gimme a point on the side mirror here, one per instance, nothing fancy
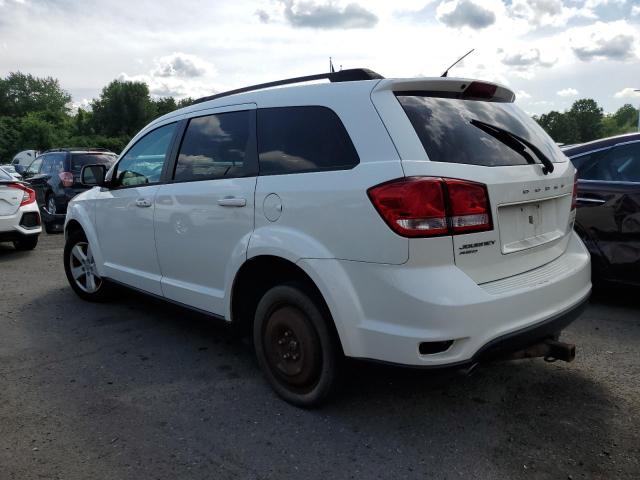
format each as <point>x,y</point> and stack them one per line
<point>93,175</point>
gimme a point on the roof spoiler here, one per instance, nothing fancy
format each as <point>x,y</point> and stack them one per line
<point>460,88</point>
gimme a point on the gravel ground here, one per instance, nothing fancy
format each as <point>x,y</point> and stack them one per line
<point>139,389</point>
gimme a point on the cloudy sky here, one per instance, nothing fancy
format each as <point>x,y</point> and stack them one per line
<point>550,52</point>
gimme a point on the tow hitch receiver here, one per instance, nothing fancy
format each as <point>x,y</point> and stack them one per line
<point>551,350</point>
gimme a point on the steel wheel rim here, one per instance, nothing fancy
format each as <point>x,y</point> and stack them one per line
<point>292,348</point>
<point>51,206</point>
<point>83,268</point>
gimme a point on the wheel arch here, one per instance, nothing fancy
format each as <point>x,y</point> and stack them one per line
<point>257,275</point>
<point>79,219</point>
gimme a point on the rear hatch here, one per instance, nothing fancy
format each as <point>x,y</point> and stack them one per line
<point>10,197</point>
<point>472,131</point>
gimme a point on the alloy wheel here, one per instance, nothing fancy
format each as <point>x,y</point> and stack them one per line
<point>83,268</point>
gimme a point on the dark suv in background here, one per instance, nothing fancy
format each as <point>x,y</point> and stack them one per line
<point>55,176</point>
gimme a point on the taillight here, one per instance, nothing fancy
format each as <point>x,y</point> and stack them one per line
<point>574,196</point>
<point>67,178</point>
<point>28,194</point>
<point>469,206</point>
<point>428,206</point>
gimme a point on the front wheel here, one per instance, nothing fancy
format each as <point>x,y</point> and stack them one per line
<point>296,349</point>
<point>80,267</point>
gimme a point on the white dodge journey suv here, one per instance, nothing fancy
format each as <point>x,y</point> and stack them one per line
<point>424,222</point>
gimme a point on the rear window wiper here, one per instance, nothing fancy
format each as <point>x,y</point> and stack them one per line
<point>516,143</point>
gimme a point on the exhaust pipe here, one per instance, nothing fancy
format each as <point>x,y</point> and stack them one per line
<point>551,350</point>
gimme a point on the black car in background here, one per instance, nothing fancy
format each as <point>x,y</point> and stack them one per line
<point>55,176</point>
<point>608,216</point>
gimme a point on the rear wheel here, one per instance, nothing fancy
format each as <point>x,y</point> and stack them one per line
<point>80,267</point>
<point>26,243</point>
<point>296,349</point>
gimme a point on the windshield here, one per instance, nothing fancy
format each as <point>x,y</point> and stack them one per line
<point>79,160</point>
<point>447,134</point>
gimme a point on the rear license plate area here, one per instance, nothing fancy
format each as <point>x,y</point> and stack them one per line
<point>528,225</point>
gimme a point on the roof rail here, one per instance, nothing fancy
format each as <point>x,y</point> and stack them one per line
<point>81,149</point>
<point>350,75</point>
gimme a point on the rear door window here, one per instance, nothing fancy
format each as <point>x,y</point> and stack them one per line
<point>79,160</point>
<point>218,146</point>
<point>444,128</point>
<point>303,139</point>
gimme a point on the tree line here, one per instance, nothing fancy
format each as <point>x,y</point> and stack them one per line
<point>585,121</point>
<point>35,113</point>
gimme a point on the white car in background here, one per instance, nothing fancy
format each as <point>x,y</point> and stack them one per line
<point>23,159</point>
<point>19,213</point>
<point>425,222</point>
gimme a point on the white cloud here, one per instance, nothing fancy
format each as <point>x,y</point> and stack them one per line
<point>522,95</point>
<point>604,41</point>
<point>627,93</point>
<point>327,15</point>
<point>465,13</point>
<point>635,10</point>
<point>177,75</point>
<point>547,12</point>
<point>567,92</point>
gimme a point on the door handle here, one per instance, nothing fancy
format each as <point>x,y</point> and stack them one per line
<point>232,202</point>
<point>597,201</point>
<point>143,203</point>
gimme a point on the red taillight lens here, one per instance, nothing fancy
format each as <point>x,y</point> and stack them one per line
<point>28,194</point>
<point>469,206</point>
<point>412,207</point>
<point>574,196</point>
<point>427,206</point>
<point>67,178</point>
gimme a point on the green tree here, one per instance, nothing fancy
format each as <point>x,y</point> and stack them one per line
<point>165,105</point>
<point>626,118</point>
<point>9,138</point>
<point>123,108</point>
<point>38,133</point>
<point>560,126</point>
<point>587,115</point>
<point>21,94</point>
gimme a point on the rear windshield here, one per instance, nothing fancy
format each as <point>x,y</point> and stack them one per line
<point>447,135</point>
<point>79,160</point>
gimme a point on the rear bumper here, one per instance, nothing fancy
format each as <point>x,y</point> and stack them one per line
<point>384,312</point>
<point>14,227</point>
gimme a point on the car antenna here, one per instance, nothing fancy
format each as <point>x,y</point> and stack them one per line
<point>446,72</point>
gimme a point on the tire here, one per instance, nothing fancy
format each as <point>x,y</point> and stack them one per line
<point>295,346</point>
<point>26,243</point>
<point>79,270</point>
<point>48,227</point>
<point>50,204</point>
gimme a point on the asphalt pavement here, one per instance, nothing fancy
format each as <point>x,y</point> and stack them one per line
<point>140,389</point>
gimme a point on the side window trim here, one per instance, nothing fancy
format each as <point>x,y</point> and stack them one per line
<point>175,152</point>
<point>114,169</point>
